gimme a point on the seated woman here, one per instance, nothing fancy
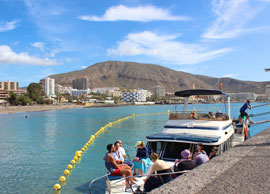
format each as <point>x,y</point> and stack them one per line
<point>117,169</point>
<point>185,163</point>
<point>159,166</point>
<point>141,161</point>
<point>119,158</point>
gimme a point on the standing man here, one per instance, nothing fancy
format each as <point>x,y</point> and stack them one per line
<point>243,111</point>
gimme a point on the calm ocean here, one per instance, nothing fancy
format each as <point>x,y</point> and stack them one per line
<point>34,152</point>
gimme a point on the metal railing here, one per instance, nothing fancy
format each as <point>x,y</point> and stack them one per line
<point>121,179</point>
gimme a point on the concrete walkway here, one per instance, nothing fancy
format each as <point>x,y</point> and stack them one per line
<point>243,169</point>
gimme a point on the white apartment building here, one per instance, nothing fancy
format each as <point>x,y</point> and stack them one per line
<point>49,86</point>
<point>104,90</point>
<point>76,92</point>
<point>136,96</point>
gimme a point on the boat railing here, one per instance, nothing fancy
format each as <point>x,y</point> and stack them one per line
<point>96,179</point>
<point>138,176</point>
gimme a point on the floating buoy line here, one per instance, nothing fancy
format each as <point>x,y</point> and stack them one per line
<point>78,154</point>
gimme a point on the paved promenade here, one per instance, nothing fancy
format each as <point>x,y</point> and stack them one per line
<point>243,169</point>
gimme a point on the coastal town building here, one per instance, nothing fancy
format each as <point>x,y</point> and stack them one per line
<point>267,91</point>
<point>7,87</point>
<point>104,90</point>
<point>159,91</point>
<point>134,96</point>
<point>242,96</point>
<point>49,86</point>
<point>80,83</point>
<point>78,93</point>
<point>114,93</point>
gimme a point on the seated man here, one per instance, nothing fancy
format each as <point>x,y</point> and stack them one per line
<point>200,156</point>
<point>117,169</point>
<point>214,152</point>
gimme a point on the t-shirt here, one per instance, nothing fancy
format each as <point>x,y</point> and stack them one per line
<point>244,107</point>
<point>122,150</point>
<point>142,153</point>
<point>201,158</point>
<point>118,155</point>
<point>160,165</point>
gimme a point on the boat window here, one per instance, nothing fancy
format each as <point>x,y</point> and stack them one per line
<point>173,150</point>
<point>155,147</point>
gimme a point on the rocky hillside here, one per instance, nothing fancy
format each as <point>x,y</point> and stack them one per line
<point>137,75</point>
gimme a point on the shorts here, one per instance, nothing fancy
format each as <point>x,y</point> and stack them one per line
<point>116,172</point>
<point>243,114</point>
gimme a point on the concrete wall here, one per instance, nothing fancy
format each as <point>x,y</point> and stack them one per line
<point>243,169</point>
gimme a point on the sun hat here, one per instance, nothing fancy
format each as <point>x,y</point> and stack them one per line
<point>138,143</point>
<point>185,154</point>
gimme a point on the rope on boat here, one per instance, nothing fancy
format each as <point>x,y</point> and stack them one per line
<point>78,154</point>
<point>259,114</point>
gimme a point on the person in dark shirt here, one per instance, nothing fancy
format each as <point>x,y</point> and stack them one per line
<point>185,163</point>
<point>141,161</point>
<point>243,112</point>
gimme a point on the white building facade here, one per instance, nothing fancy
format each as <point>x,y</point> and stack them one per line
<point>136,96</point>
<point>49,87</point>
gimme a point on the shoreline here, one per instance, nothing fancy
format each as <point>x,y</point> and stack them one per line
<point>35,108</point>
<point>39,108</point>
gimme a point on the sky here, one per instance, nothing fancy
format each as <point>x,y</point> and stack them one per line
<point>217,38</point>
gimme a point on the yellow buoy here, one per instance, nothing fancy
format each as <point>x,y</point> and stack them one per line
<point>75,158</point>
<point>57,187</point>
<point>72,162</point>
<point>78,153</point>
<point>69,166</point>
<point>62,179</point>
<point>92,136</point>
<point>87,144</point>
<point>169,111</point>
<point>214,108</point>
<point>133,115</point>
<point>83,149</point>
<point>66,172</point>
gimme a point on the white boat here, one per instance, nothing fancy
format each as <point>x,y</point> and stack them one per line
<point>185,129</point>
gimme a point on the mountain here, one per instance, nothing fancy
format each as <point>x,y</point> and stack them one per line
<point>132,75</point>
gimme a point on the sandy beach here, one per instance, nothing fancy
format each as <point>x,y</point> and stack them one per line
<point>16,109</point>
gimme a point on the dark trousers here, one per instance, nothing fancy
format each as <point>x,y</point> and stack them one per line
<point>154,182</point>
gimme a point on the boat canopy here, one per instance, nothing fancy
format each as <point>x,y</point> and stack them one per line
<point>188,93</point>
<point>183,137</point>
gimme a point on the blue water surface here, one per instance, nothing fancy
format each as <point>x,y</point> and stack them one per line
<point>34,152</point>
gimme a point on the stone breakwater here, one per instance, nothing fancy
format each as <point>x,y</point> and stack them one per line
<point>243,169</point>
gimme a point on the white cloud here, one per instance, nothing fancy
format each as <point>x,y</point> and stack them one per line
<point>7,56</point>
<point>140,13</point>
<point>232,18</point>
<point>231,75</point>
<point>8,26</point>
<point>83,66</point>
<point>39,45</point>
<point>165,48</point>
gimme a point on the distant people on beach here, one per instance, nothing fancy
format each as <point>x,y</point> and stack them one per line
<point>243,112</point>
<point>200,156</point>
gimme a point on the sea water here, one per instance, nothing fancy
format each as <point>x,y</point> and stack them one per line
<point>35,151</point>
